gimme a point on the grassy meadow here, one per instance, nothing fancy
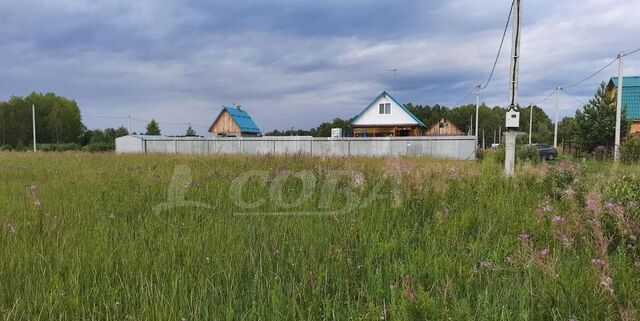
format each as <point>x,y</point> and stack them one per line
<point>162,237</point>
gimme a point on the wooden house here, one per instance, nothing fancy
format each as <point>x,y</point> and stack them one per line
<point>385,117</point>
<point>234,122</point>
<point>630,99</point>
<point>444,127</point>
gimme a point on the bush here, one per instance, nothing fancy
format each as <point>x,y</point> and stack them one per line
<point>630,150</point>
<point>58,147</point>
<point>100,147</point>
<point>558,180</point>
<point>5,148</point>
<point>528,153</point>
<point>601,153</point>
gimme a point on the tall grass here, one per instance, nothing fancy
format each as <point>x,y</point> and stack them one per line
<point>428,240</point>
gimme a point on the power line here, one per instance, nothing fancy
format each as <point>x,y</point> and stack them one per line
<point>504,33</point>
<point>543,100</point>
<point>631,53</point>
<point>574,97</point>
<point>463,98</point>
<point>591,76</point>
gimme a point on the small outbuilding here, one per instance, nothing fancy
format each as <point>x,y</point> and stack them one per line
<point>444,127</point>
<point>385,116</point>
<point>234,122</point>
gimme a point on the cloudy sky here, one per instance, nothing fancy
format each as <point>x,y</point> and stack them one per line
<point>294,63</point>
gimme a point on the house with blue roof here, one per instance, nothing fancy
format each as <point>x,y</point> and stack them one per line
<point>234,122</point>
<point>385,116</point>
<point>630,99</point>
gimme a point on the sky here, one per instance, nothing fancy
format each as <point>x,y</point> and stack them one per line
<point>293,63</point>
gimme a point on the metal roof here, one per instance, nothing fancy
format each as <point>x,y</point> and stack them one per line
<point>242,119</point>
<point>630,95</point>
<point>385,94</point>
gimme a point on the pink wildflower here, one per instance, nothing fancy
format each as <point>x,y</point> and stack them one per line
<point>524,237</point>
<point>544,252</point>
<point>598,262</point>
<point>557,219</point>
<point>592,204</point>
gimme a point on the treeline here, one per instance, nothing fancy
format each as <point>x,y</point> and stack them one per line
<point>58,125</point>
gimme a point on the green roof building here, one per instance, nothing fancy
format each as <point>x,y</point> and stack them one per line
<point>630,99</point>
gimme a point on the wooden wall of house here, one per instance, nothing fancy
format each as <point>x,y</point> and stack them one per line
<point>444,128</point>
<point>225,124</point>
<point>387,131</point>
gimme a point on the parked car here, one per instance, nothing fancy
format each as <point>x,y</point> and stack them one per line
<point>546,152</point>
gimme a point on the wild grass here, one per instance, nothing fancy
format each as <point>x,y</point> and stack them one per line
<point>399,239</point>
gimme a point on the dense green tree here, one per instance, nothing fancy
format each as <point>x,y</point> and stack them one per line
<point>595,123</point>
<point>153,128</point>
<point>190,132</point>
<point>57,120</point>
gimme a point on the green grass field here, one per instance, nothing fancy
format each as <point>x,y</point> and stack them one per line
<point>161,237</point>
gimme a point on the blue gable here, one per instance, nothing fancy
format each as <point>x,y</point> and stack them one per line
<point>241,118</point>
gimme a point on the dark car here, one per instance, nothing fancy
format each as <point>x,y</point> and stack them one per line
<point>546,152</point>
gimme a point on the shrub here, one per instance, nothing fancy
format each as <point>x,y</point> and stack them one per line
<point>58,147</point>
<point>630,150</point>
<point>601,153</point>
<point>100,147</point>
<point>558,180</point>
<point>528,153</point>
<point>624,190</point>
<point>5,148</point>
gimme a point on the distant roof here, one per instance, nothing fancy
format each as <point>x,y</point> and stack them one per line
<point>383,94</point>
<point>630,95</point>
<point>242,119</point>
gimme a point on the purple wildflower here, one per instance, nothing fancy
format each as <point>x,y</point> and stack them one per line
<point>598,262</point>
<point>609,205</point>
<point>544,252</point>
<point>557,219</point>
<point>524,237</point>
<point>592,204</point>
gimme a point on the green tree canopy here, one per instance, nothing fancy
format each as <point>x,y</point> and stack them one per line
<point>57,120</point>
<point>595,123</point>
<point>153,128</point>
<point>191,132</point>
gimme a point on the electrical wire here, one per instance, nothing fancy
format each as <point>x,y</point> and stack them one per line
<point>631,53</point>
<point>574,97</point>
<point>543,100</point>
<point>504,33</point>
<point>462,99</point>
<point>590,76</point>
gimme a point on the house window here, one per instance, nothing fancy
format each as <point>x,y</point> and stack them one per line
<point>384,108</point>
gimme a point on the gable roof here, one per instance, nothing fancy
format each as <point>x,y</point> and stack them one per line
<point>385,94</point>
<point>630,95</point>
<point>241,118</point>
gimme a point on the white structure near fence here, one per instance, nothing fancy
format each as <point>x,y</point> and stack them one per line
<point>449,147</point>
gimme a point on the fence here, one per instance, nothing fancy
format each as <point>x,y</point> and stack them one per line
<point>450,147</point>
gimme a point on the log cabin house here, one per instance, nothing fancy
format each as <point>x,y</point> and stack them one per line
<point>234,122</point>
<point>385,117</point>
<point>444,127</point>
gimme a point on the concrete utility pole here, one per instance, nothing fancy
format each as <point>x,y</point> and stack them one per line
<point>530,123</point>
<point>512,118</point>
<point>477,110</point>
<point>555,129</point>
<point>616,152</point>
<point>129,125</point>
<point>33,122</point>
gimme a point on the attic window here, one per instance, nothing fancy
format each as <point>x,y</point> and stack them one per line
<point>384,108</point>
